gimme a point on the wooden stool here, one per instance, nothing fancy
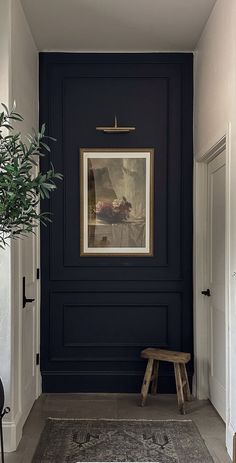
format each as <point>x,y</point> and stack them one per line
<point>179,359</point>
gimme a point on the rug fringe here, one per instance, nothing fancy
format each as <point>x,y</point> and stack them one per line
<point>116,419</point>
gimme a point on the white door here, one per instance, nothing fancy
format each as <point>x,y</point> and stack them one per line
<point>216,274</point>
<point>29,322</point>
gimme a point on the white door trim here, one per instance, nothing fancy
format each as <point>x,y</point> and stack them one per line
<point>38,306</point>
<point>201,388</point>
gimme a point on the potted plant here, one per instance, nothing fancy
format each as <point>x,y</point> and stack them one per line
<point>20,188</point>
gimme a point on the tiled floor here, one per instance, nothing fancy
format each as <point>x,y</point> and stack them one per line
<point>120,406</point>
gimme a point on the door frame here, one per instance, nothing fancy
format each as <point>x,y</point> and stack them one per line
<point>200,303</point>
<point>38,312</point>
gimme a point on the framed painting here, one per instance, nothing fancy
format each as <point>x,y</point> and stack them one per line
<point>116,202</point>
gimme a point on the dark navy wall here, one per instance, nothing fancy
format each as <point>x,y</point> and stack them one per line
<point>98,313</point>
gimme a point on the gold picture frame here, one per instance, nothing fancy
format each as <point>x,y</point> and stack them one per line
<point>116,201</point>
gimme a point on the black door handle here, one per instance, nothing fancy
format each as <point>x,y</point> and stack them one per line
<point>206,292</point>
<point>25,299</point>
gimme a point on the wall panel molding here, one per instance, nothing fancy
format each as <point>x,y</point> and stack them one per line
<point>98,313</point>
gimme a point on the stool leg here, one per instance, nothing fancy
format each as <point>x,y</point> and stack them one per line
<point>179,388</point>
<point>155,377</point>
<point>146,381</point>
<point>186,388</point>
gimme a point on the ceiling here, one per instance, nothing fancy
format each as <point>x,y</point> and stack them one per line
<point>117,25</point>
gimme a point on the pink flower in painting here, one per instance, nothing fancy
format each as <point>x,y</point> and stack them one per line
<point>115,211</point>
<point>122,207</point>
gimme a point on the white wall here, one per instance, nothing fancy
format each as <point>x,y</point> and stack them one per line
<point>215,111</point>
<point>5,256</point>
<point>24,69</point>
<point>215,69</point>
<point>19,82</point>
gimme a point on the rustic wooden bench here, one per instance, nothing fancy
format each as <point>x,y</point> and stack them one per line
<point>179,359</point>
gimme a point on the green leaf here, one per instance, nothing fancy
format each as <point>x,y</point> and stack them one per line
<point>5,108</point>
<point>20,191</point>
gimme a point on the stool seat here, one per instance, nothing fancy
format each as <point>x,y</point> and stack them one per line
<point>166,355</point>
<point>179,360</point>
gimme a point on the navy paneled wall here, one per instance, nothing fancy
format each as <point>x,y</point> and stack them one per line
<point>99,312</point>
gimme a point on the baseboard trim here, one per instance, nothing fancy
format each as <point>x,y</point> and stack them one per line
<point>12,432</point>
<point>231,441</point>
<point>101,382</point>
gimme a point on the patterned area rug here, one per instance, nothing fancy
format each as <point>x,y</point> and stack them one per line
<point>72,441</point>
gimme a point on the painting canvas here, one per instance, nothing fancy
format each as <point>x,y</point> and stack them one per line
<point>116,201</point>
